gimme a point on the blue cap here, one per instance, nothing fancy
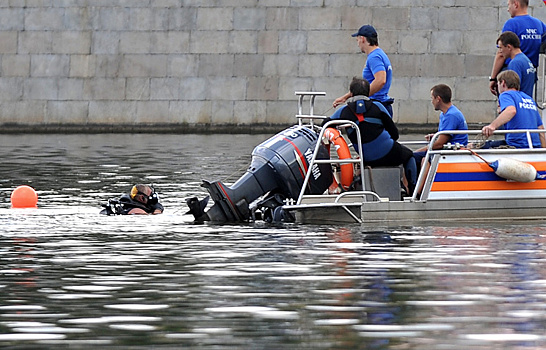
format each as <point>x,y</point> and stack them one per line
<point>367,31</point>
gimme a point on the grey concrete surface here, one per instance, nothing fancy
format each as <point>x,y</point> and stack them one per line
<point>212,65</point>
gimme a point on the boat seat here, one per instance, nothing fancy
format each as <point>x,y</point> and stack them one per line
<point>385,181</point>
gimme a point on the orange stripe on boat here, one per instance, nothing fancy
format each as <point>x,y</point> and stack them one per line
<point>463,168</point>
<point>539,166</point>
<point>487,185</point>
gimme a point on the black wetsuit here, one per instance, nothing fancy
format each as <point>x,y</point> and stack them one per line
<point>125,204</point>
<point>379,135</point>
<point>374,124</point>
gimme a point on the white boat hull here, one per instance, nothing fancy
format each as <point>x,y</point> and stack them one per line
<point>423,213</point>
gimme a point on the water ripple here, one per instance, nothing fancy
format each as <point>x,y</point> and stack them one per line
<point>71,278</point>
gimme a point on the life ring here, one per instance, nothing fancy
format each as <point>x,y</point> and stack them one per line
<point>343,152</point>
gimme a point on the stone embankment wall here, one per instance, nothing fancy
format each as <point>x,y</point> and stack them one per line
<point>182,64</point>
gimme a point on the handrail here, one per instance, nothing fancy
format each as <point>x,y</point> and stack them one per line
<point>314,159</point>
<point>431,151</point>
<point>479,132</point>
<point>356,193</point>
<point>310,116</point>
<point>337,161</point>
<point>313,94</point>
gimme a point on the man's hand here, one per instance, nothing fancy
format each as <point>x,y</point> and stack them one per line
<point>488,130</point>
<point>341,100</point>
<point>493,88</point>
<point>338,101</point>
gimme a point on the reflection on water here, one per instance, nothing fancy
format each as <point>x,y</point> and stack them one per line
<point>73,278</point>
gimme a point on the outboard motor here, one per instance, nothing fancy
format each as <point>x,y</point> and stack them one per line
<point>278,167</point>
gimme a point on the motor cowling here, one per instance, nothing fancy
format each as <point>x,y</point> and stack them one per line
<point>279,165</point>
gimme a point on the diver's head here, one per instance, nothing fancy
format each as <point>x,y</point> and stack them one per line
<point>144,194</point>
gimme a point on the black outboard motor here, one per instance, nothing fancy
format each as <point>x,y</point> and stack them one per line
<point>278,166</point>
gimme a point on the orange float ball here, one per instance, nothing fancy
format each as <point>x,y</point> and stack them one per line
<point>24,197</point>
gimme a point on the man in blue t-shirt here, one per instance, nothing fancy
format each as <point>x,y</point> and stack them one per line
<point>518,111</point>
<point>509,47</point>
<point>530,31</point>
<point>451,118</point>
<point>377,71</point>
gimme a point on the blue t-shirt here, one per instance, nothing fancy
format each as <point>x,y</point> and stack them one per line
<point>530,32</point>
<point>378,61</point>
<point>526,71</point>
<point>527,117</point>
<point>453,119</point>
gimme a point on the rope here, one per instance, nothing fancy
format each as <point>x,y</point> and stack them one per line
<point>238,171</point>
<point>332,133</point>
<point>326,111</point>
<point>477,155</point>
<point>505,147</point>
<point>479,141</point>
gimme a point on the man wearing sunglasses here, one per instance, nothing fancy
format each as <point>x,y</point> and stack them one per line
<point>145,200</point>
<point>142,200</point>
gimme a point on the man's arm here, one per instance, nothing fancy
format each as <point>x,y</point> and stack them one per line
<point>388,124</point>
<point>441,141</point>
<point>379,80</point>
<point>157,209</point>
<point>137,211</point>
<point>498,62</point>
<point>341,99</point>
<point>506,115</point>
<point>438,144</point>
<point>542,137</point>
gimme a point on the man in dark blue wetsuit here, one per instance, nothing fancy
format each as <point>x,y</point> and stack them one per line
<point>142,200</point>
<point>378,131</point>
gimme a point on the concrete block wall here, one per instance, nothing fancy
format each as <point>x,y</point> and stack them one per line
<point>234,62</point>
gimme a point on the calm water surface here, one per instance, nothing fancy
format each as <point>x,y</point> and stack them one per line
<point>71,278</point>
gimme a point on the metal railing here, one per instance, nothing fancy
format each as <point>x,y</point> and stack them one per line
<point>314,161</point>
<point>312,94</point>
<point>431,152</point>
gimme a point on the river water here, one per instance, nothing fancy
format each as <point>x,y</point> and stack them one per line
<point>71,278</point>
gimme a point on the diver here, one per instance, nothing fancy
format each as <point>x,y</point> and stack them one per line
<point>142,200</point>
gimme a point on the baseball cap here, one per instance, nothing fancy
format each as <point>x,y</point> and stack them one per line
<point>367,31</point>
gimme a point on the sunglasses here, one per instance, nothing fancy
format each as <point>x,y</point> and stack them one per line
<point>152,198</point>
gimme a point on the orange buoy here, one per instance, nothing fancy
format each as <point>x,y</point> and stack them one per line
<point>24,197</point>
<point>343,152</point>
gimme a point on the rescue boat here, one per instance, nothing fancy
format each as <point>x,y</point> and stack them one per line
<point>297,176</point>
<point>462,185</point>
